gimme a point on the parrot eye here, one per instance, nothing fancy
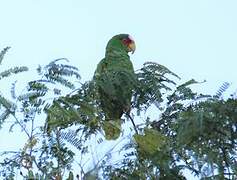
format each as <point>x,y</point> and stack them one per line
<point>127,41</point>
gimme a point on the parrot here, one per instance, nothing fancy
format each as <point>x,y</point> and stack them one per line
<point>114,77</point>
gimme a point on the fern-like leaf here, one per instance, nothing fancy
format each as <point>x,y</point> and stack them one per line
<point>3,52</point>
<point>7,104</point>
<point>13,90</point>
<point>159,68</point>
<point>3,116</point>
<point>59,73</point>
<point>71,137</point>
<point>11,71</point>
<point>8,108</point>
<point>222,89</point>
<point>61,80</point>
<point>153,80</point>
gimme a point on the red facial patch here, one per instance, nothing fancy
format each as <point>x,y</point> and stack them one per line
<point>127,41</point>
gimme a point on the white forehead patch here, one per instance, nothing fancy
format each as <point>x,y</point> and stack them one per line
<point>130,37</point>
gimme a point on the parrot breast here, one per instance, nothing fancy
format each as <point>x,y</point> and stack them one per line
<point>115,78</point>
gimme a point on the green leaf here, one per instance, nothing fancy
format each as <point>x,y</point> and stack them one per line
<point>11,71</point>
<point>2,53</point>
<point>151,142</point>
<point>112,129</point>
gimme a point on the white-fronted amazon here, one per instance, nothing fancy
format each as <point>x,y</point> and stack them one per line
<point>115,77</point>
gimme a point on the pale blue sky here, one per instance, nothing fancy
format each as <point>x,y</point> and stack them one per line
<point>194,38</point>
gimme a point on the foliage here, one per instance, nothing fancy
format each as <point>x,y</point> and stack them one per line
<point>191,131</point>
<point>43,156</point>
<point>2,53</point>
<point>152,84</point>
<point>84,107</point>
<point>6,106</point>
<point>210,137</point>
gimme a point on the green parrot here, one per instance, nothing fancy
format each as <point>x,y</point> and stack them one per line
<point>115,77</point>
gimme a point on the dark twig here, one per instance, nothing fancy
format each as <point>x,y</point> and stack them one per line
<point>132,122</point>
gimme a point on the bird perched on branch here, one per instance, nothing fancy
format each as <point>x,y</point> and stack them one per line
<point>115,77</point>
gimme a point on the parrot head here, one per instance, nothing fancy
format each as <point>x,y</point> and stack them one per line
<point>122,41</point>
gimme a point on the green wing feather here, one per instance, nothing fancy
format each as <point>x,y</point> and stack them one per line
<point>115,78</point>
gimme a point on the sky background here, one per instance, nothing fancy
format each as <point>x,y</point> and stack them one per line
<point>194,39</point>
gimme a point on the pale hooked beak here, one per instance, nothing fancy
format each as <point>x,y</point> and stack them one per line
<point>132,47</point>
